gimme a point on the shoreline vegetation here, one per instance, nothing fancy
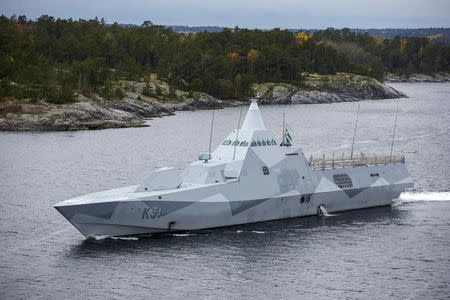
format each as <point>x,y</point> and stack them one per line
<point>64,74</point>
<point>139,101</point>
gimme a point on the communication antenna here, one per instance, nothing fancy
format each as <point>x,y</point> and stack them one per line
<point>211,132</point>
<point>393,134</point>
<point>237,133</point>
<point>354,133</point>
<point>282,132</point>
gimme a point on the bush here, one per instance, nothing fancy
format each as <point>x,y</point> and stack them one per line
<point>119,93</point>
<point>61,95</point>
<point>148,91</point>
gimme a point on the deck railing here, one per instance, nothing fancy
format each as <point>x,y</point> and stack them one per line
<point>332,161</point>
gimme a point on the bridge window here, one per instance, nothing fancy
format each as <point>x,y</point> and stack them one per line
<point>244,144</point>
<point>253,144</point>
<point>273,142</point>
<point>259,143</point>
<point>265,170</point>
<point>343,181</point>
<point>263,142</point>
<point>226,142</point>
<point>268,143</point>
<point>235,143</point>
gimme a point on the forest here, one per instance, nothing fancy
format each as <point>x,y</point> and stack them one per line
<point>51,58</point>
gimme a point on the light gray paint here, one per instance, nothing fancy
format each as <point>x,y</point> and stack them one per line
<point>207,199</point>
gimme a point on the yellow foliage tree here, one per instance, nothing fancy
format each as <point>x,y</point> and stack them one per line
<point>181,38</point>
<point>435,36</point>
<point>379,39</point>
<point>252,56</point>
<point>301,37</point>
<point>234,57</point>
<point>403,43</point>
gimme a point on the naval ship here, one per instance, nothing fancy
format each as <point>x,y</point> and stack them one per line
<point>249,177</point>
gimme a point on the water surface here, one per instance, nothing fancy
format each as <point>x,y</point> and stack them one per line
<point>403,251</point>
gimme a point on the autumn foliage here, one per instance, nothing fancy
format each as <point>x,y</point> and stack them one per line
<point>52,58</point>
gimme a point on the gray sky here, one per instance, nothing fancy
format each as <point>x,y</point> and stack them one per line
<point>246,13</point>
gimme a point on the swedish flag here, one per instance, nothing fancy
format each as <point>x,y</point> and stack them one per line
<point>287,137</point>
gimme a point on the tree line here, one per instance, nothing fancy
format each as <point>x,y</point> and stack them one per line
<point>50,58</point>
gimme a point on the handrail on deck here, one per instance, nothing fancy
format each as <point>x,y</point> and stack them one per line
<point>346,161</point>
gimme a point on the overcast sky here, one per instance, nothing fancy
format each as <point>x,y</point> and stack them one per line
<point>246,13</point>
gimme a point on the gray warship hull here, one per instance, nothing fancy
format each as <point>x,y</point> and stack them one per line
<point>243,182</point>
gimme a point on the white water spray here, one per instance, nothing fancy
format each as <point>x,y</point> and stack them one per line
<point>424,196</point>
<point>322,212</point>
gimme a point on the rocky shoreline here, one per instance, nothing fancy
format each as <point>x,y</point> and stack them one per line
<point>141,101</point>
<point>87,115</point>
<point>341,87</point>
<point>438,77</point>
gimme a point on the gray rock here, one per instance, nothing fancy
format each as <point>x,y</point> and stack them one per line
<point>96,113</point>
<point>438,77</point>
<point>311,97</point>
<point>325,89</point>
<point>76,116</point>
<point>140,109</point>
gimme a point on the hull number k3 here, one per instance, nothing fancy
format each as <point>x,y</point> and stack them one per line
<point>151,213</point>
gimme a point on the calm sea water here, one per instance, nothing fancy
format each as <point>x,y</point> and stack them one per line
<point>395,252</point>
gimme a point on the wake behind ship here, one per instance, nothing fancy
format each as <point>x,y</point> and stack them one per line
<point>250,177</point>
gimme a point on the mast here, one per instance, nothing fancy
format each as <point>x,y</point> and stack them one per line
<point>282,133</point>
<point>354,133</point>
<point>211,132</point>
<point>237,133</point>
<point>393,134</point>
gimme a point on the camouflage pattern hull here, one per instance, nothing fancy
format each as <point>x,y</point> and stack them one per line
<point>219,205</point>
<point>253,181</point>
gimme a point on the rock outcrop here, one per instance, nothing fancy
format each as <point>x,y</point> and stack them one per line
<point>314,88</point>
<point>76,116</point>
<point>438,77</point>
<point>97,113</point>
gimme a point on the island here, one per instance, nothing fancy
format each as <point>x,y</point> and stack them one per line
<point>65,74</point>
<point>135,102</point>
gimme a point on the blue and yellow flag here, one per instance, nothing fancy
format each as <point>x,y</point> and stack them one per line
<point>287,138</point>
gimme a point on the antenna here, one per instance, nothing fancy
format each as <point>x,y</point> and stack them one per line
<point>211,132</point>
<point>393,134</point>
<point>354,133</point>
<point>282,133</point>
<point>237,133</point>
